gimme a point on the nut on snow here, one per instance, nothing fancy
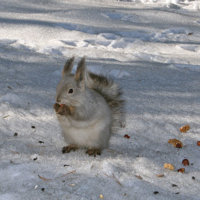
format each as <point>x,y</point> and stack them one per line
<point>185,128</point>
<point>127,136</point>
<point>179,145</point>
<point>182,170</point>
<point>198,143</point>
<point>185,162</point>
<point>168,166</point>
<point>176,143</point>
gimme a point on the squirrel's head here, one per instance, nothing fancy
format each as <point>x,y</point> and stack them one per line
<point>71,87</point>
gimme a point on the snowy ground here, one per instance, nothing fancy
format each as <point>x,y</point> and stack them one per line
<point>151,48</point>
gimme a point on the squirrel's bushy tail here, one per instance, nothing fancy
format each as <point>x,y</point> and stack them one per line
<point>112,93</point>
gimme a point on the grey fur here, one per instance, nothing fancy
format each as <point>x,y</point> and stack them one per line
<point>112,93</point>
<point>95,107</point>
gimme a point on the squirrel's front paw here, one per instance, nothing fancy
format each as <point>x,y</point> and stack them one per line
<point>56,106</point>
<point>63,110</point>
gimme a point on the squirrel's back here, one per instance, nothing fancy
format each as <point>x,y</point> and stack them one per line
<point>112,93</point>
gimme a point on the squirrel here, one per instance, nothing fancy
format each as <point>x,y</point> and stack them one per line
<point>89,108</point>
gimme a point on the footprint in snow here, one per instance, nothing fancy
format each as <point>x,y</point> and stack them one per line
<point>76,27</point>
<point>125,17</point>
<point>193,48</point>
<point>12,99</point>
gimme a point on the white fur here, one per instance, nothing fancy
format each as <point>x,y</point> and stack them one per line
<point>92,133</point>
<point>90,122</point>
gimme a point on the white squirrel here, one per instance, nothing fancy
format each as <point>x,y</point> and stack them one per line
<point>89,108</point>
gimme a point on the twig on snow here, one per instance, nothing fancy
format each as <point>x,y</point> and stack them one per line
<point>45,179</point>
<point>67,174</point>
<point>48,180</point>
<point>114,179</point>
<point>6,116</point>
<point>14,152</point>
<point>112,151</point>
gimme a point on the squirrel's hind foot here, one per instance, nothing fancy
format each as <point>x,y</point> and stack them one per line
<point>93,152</point>
<point>68,149</point>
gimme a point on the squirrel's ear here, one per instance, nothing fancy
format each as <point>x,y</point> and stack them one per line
<point>80,72</point>
<point>68,66</point>
<point>81,85</point>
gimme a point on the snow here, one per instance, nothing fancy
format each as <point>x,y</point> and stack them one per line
<point>150,47</point>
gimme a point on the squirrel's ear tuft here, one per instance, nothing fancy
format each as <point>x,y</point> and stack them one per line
<point>68,66</point>
<point>80,72</point>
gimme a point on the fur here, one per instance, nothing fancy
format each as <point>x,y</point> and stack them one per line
<point>89,107</point>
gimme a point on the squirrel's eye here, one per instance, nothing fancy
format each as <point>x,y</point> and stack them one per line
<point>70,91</point>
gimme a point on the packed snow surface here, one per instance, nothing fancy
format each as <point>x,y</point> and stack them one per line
<point>151,48</point>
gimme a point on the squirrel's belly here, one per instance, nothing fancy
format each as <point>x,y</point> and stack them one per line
<point>86,137</point>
